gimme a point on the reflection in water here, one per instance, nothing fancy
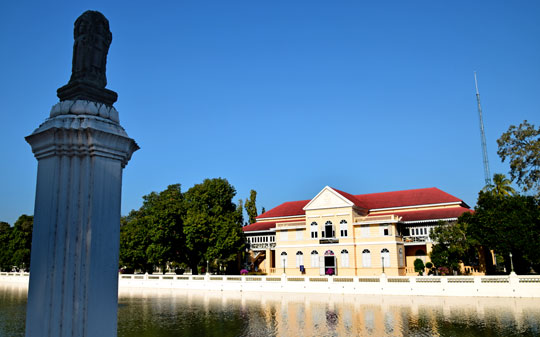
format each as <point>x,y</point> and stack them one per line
<point>197,313</point>
<point>12,310</point>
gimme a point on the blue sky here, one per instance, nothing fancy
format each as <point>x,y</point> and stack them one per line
<point>284,97</point>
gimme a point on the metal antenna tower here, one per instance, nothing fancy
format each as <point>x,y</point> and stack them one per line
<point>487,174</point>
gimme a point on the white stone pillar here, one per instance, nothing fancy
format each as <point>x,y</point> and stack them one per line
<point>81,151</point>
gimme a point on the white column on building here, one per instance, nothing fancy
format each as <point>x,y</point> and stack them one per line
<point>81,151</point>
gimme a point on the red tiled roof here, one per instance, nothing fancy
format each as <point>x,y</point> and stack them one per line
<point>421,196</point>
<point>352,198</point>
<point>290,208</point>
<point>259,226</point>
<point>429,214</point>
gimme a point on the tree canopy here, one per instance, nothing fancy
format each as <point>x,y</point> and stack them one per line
<point>251,206</point>
<point>521,145</point>
<point>202,224</point>
<point>501,186</point>
<point>16,243</point>
<point>452,246</point>
<point>507,224</point>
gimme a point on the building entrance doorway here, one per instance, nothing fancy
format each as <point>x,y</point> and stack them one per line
<point>328,263</point>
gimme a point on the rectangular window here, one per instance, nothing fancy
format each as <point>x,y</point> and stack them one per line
<point>345,260</point>
<point>299,235</point>
<point>314,235</point>
<point>364,230</point>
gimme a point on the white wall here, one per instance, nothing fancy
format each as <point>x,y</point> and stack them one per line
<point>455,286</point>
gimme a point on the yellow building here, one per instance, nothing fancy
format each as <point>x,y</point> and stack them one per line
<point>350,235</point>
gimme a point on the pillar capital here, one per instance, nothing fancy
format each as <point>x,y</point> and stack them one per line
<point>79,128</point>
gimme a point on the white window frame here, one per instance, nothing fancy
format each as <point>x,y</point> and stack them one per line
<point>364,231</point>
<point>343,228</point>
<point>333,229</point>
<point>314,259</point>
<point>299,235</point>
<point>386,254</point>
<point>385,229</point>
<point>345,258</point>
<point>299,258</point>
<point>366,258</point>
<point>314,229</point>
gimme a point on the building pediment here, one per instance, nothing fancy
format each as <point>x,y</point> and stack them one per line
<point>328,198</point>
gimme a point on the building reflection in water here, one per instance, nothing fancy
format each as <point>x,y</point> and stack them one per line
<point>223,314</point>
<point>283,314</point>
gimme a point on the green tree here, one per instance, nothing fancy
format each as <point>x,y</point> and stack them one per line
<point>212,225</point>
<point>509,224</point>
<point>163,213</point>
<point>153,235</point>
<point>521,145</point>
<point>5,253</point>
<point>501,186</point>
<point>20,241</point>
<point>134,241</point>
<point>451,246</point>
<point>240,211</point>
<point>251,206</point>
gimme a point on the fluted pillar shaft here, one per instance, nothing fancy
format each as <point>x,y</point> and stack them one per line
<point>81,151</point>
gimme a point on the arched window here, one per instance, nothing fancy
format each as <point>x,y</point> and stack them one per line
<point>343,228</point>
<point>328,231</point>
<point>283,259</point>
<point>314,259</point>
<point>420,252</point>
<point>385,256</point>
<point>299,259</point>
<point>366,258</point>
<point>345,258</point>
<point>314,228</point>
<point>401,257</point>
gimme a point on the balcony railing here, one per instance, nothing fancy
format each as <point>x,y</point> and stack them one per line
<point>262,245</point>
<point>416,239</point>
<point>376,219</point>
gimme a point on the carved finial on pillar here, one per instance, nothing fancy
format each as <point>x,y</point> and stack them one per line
<point>88,75</point>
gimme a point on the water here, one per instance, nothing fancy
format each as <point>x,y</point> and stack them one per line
<point>196,313</point>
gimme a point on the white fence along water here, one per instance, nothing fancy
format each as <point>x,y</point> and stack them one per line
<point>456,286</point>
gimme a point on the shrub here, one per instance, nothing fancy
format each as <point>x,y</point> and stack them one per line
<point>419,266</point>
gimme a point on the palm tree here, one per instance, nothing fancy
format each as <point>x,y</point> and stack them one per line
<point>501,186</point>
